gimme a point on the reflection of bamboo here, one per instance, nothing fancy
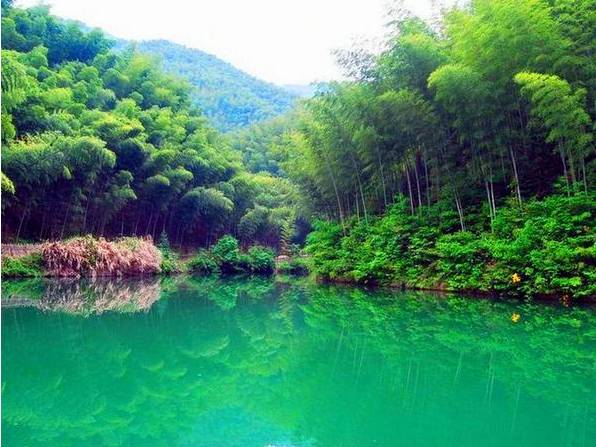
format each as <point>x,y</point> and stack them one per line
<point>341,337</point>
<point>514,418</point>
<point>416,385</point>
<point>458,370</point>
<point>361,361</point>
<point>407,385</point>
<point>97,295</point>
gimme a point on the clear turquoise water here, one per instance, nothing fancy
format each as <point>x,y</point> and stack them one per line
<point>251,362</point>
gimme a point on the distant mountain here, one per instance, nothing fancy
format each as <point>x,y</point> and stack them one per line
<point>229,97</point>
<point>303,91</point>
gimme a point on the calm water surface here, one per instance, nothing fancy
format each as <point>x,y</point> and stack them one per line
<point>252,362</point>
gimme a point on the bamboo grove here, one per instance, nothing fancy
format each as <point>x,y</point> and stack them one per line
<point>494,101</point>
<point>104,143</point>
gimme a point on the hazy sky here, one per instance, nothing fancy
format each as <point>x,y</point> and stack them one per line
<point>282,41</point>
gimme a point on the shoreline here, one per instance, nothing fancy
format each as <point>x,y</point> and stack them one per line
<point>23,251</point>
<point>468,293</point>
<point>396,287</point>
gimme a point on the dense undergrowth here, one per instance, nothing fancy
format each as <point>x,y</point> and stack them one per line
<point>87,256</point>
<point>26,266</point>
<point>225,257</point>
<point>545,247</point>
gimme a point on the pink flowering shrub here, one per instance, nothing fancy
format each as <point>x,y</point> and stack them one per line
<point>86,256</point>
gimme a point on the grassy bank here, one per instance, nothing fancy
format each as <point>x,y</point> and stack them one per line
<point>87,256</point>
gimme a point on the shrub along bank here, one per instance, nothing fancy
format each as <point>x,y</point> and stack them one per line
<point>87,256</point>
<point>225,257</point>
<point>546,247</point>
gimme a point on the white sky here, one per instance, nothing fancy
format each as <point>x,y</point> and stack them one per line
<point>281,41</point>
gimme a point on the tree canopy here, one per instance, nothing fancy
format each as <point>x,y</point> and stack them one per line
<point>106,143</point>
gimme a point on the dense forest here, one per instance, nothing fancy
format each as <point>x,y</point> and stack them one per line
<point>262,143</point>
<point>105,143</point>
<point>459,157</point>
<point>228,97</point>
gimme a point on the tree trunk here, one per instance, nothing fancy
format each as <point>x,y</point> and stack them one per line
<point>460,211</point>
<point>148,227</point>
<point>427,180</point>
<point>409,189</point>
<point>360,188</point>
<point>492,193</point>
<point>85,216</point>
<point>490,206</point>
<point>25,211</point>
<point>585,180</point>
<point>562,152</point>
<point>333,182</point>
<point>382,176</point>
<point>43,224</point>
<point>572,169</point>
<point>417,185</point>
<point>65,218</point>
<point>517,187</point>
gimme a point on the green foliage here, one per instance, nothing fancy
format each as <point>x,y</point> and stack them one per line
<point>562,113</point>
<point>439,115</point>
<point>411,166</point>
<point>163,243</point>
<point>227,254</point>
<point>30,265</point>
<point>227,258</point>
<point>105,143</point>
<point>170,263</point>
<point>261,260</point>
<point>24,30</point>
<point>438,163</point>
<point>258,143</point>
<point>203,263</point>
<point>545,248</point>
<point>294,266</point>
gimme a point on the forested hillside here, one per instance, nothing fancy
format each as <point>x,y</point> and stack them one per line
<point>474,142</point>
<point>95,142</point>
<point>461,157</point>
<point>262,144</point>
<point>228,97</point>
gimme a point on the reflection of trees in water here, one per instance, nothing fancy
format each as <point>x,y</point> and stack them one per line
<point>449,331</point>
<point>100,295</point>
<point>90,295</point>
<point>329,363</point>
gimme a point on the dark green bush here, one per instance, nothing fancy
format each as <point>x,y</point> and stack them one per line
<point>203,263</point>
<point>170,263</point>
<point>294,266</point>
<point>243,264</point>
<point>261,260</point>
<point>26,266</point>
<point>227,254</point>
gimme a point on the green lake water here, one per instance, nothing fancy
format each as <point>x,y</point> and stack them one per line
<point>273,362</point>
